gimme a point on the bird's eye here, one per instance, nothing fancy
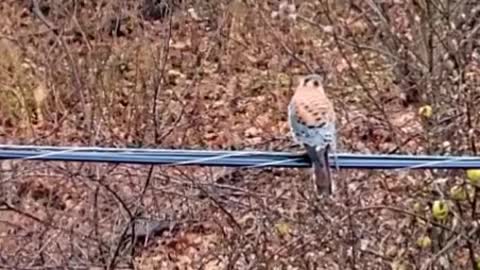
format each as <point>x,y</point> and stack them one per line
<point>315,83</point>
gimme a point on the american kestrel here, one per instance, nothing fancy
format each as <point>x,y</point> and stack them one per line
<point>312,122</point>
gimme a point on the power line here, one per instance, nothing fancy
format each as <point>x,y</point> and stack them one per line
<point>175,157</point>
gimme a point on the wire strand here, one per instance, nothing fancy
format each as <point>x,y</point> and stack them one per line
<point>247,159</point>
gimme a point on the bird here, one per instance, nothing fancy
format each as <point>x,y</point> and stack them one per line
<point>311,117</point>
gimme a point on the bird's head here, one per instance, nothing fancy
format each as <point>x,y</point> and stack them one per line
<point>313,81</point>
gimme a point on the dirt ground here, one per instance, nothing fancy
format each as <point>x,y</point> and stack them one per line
<point>219,75</point>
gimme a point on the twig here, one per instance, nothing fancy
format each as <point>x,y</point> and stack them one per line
<point>54,29</point>
<point>448,246</point>
<point>380,108</point>
<point>37,11</point>
<point>160,80</point>
<point>7,207</point>
<point>280,41</point>
<point>399,210</point>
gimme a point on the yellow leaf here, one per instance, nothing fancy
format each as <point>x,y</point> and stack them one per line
<point>283,228</point>
<point>473,176</point>
<point>424,241</point>
<point>440,210</point>
<point>458,193</point>
<point>283,79</point>
<point>425,111</point>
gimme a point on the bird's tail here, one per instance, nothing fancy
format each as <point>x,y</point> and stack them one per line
<point>321,169</point>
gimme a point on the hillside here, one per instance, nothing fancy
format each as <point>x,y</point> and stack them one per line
<point>404,78</point>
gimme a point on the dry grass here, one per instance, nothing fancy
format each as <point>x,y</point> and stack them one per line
<point>219,75</point>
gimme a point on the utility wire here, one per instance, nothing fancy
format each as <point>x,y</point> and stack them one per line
<point>252,159</point>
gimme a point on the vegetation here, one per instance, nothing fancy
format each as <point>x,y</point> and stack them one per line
<point>404,76</point>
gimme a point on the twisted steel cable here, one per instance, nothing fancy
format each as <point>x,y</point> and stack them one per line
<point>252,159</point>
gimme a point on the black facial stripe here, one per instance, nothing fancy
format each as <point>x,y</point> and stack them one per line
<point>306,81</point>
